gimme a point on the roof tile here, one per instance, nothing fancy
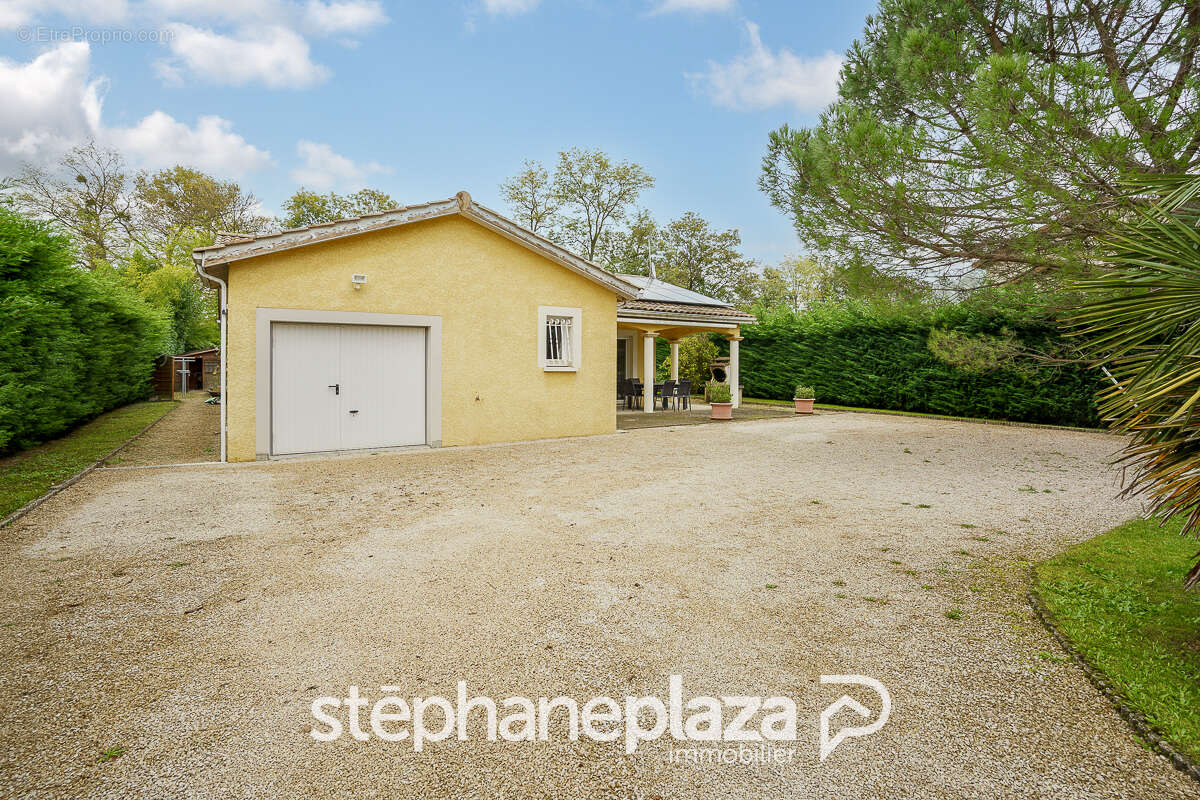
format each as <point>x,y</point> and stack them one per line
<point>684,308</point>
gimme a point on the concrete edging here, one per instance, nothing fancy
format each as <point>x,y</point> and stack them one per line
<point>78,476</point>
<point>1141,726</point>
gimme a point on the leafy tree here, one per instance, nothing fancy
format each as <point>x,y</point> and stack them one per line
<point>800,282</point>
<point>140,232</point>
<point>171,201</point>
<point>585,207</point>
<point>797,283</point>
<point>595,194</point>
<point>86,197</point>
<point>634,248</point>
<point>366,201</point>
<point>583,204</point>
<point>530,196</point>
<point>173,211</point>
<point>696,354</point>
<point>167,281</point>
<point>1143,325</point>
<point>310,208</point>
<point>696,257</point>
<point>990,136</point>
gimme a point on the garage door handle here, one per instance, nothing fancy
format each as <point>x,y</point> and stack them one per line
<point>354,411</point>
<point>337,388</point>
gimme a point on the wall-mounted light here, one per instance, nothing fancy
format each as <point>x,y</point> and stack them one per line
<point>358,279</point>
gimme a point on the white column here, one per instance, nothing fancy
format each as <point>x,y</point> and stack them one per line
<point>648,371</point>
<point>674,359</point>
<point>734,371</point>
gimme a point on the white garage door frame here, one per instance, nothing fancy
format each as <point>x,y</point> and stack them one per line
<point>262,362</point>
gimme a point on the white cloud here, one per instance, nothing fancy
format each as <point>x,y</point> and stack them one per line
<point>324,169</point>
<point>763,79</point>
<point>219,10</point>
<point>509,7</point>
<point>159,140</point>
<point>274,56</point>
<point>697,6</point>
<point>319,17</point>
<point>229,42</point>
<point>348,16</point>
<point>52,103</point>
<point>49,103</point>
<point>14,13</point>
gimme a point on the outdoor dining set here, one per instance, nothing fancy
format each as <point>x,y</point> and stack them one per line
<point>674,394</point>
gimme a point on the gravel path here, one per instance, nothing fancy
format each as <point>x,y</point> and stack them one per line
<point>189,434</point>
<point>576,567</point>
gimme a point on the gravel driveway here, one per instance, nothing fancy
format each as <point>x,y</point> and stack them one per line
<point>191,615</point>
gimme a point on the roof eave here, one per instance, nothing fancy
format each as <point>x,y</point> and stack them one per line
<point>461,203</point>
<point>300,237</point>
<point>632,314</point>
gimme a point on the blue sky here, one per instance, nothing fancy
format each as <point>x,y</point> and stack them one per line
<point>424,99</point>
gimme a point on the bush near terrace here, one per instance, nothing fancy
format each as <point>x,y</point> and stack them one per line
<point>997,356</point>
<point>72,344</point>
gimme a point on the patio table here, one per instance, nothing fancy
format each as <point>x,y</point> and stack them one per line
<point>658,387</point>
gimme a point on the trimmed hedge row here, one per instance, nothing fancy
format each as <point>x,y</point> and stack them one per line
<point>72,345</point>
<point>855,355</point>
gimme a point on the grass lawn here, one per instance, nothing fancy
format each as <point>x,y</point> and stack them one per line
<point>831,407</point>
<point>28,474</point>
<point>1119,598</point>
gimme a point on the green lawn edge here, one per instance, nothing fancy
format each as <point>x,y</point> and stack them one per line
<point>28,475</point>
<point>1119,599</point>
<point>830,407</point>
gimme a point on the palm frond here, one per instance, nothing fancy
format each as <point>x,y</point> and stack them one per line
<point>1144,327</point>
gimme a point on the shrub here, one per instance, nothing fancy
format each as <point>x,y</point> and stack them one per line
<point>997,357</point>
<point>718,392</point>
<point>696,354</point>
<point>975,353</point>
<point>804,392</point>
<point>72,345</point>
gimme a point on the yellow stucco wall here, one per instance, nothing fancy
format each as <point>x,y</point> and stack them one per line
<point>485,288</point>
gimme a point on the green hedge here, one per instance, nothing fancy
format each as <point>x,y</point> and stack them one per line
<point>72,345</point>
<point>856,355</point>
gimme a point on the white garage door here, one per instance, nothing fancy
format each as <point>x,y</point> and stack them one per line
<point>346,387</point>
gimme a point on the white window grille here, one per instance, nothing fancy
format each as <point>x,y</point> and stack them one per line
<point>560,347</point>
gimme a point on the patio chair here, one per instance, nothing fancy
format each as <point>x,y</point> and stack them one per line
<point>683,393</point>
<point>632,392</point>
<point>668,393</point>
<point>635,393</point>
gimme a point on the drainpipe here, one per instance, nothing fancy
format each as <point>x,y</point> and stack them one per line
<point>223,313</point>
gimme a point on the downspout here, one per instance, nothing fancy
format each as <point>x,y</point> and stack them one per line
<point>223,313</point>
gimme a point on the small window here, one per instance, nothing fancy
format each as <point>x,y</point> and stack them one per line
<point>559,350</point>
<point>558,347</point>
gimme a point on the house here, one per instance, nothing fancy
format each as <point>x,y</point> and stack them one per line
<point>436,324</point>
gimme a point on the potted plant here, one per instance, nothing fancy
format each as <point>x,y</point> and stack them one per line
<point>720,400</point>
<point>804,398</point>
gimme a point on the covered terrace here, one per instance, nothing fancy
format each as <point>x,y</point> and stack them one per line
<point>672,312</point>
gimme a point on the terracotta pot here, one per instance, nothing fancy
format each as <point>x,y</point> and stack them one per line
<point>804,406</point>
<point>722,411</point>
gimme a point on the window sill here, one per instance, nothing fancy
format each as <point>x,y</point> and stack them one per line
<point>560,369</point>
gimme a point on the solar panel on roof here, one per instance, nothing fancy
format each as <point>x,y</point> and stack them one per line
<point>663,292</point>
